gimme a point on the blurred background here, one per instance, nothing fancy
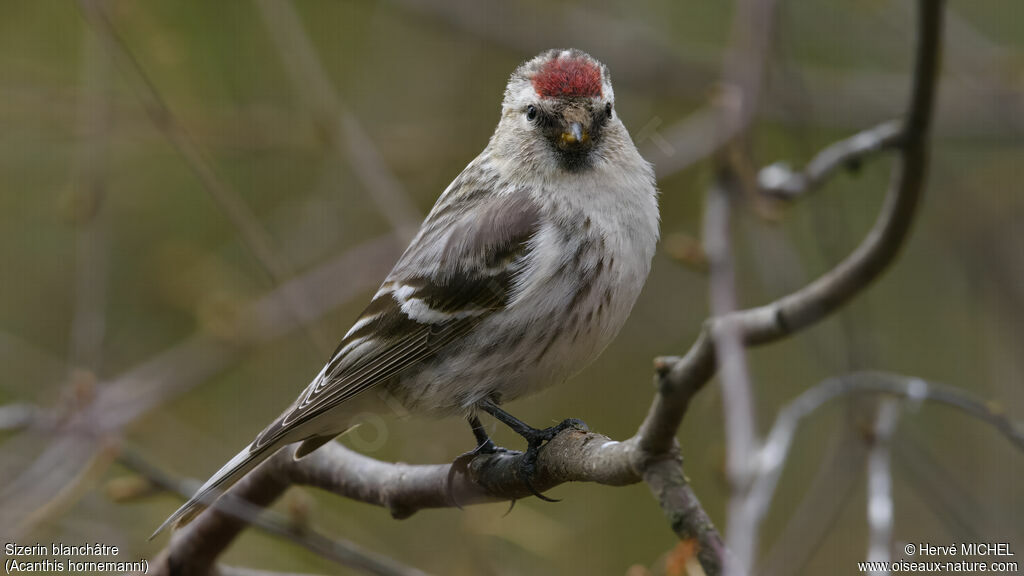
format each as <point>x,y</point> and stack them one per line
<point>184,182</point>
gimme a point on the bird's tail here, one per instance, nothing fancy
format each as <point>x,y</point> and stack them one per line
<point>226,477</point>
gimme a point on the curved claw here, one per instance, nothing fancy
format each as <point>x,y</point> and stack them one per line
<point>535,440</point>
<point>528,469</point>
<point>462,462</point>
<point>528,464</point>
<point>538,494</point>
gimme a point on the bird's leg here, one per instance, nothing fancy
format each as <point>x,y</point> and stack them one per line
<point>536,438</point>
<point>484,444</point>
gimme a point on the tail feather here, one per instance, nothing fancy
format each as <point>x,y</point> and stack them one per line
<point>226,477</point>
<point>312,435</point>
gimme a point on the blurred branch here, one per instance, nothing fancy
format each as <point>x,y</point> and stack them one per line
<point>781,181</point>
<point>256,238</point>
<point>194,360</point>
<point>225,570</point>
<point>753,31</point>
<point>737,394</point>
<point>88,188</point>
<point>311,84</point>
<point>121,400</point>
<point>727,120</point>
<point>790,314</point>
<point>513,25</point>
<point>61,476</point>
<point>194,549</point>
<point>821,505</point>
<point>940,485</point>
<point>241,512</point>
<point>820,298</point>
<point>880,504</point>
<point>640,56</point>
<point>776,448</point>
<point>14,417</point>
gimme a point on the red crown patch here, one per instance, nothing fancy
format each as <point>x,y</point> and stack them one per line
<point>568,78</point>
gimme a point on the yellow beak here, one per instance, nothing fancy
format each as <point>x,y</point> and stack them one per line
<point>575,135</point>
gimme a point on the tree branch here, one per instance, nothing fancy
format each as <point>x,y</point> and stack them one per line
<point>780,438</point>
<point>880,505</point>
<point>89,182</point>
<point>573,456</point>
<point>782,182</point>
<point>737,393</point>
<point>810,304</point>
<point>195,548</point>
<point>790,314</point>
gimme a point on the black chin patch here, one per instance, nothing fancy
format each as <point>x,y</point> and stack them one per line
<point>573,160</point>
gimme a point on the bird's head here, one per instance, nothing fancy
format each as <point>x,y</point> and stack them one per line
<point>560,107</point>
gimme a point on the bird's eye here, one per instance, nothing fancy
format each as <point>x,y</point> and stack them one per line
<point>608,109</point>
<point>531,112</point>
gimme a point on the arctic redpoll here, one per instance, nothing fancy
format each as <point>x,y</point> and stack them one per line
<point>526,268</point>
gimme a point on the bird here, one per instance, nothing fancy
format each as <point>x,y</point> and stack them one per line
<point>524,270</point>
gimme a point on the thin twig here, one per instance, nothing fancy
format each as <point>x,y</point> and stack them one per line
<point>880,504</point>
<point>124,398</point>
<point>197,358</point>
<point>226,570</point>
<point>87,206</point>
<point>737,394</point>
<point>781,181</point>
<point>18,416</point>
<point>680,378</point>
<point>821,505</point>
<point>752,35</point>
<point>940,485</point>
<point>808,305</point>
<point>310,83</point>
<point>256,238</point>
<point>50,481</point>
<point>776,448</point>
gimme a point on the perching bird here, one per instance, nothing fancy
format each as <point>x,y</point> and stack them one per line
<point>525,269</point>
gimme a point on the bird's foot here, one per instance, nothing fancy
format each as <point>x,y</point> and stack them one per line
<point>535,440</point>
<point>461,463</point>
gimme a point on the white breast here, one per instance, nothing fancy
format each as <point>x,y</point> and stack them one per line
<point>599,232</point>
<point>615,219</point>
